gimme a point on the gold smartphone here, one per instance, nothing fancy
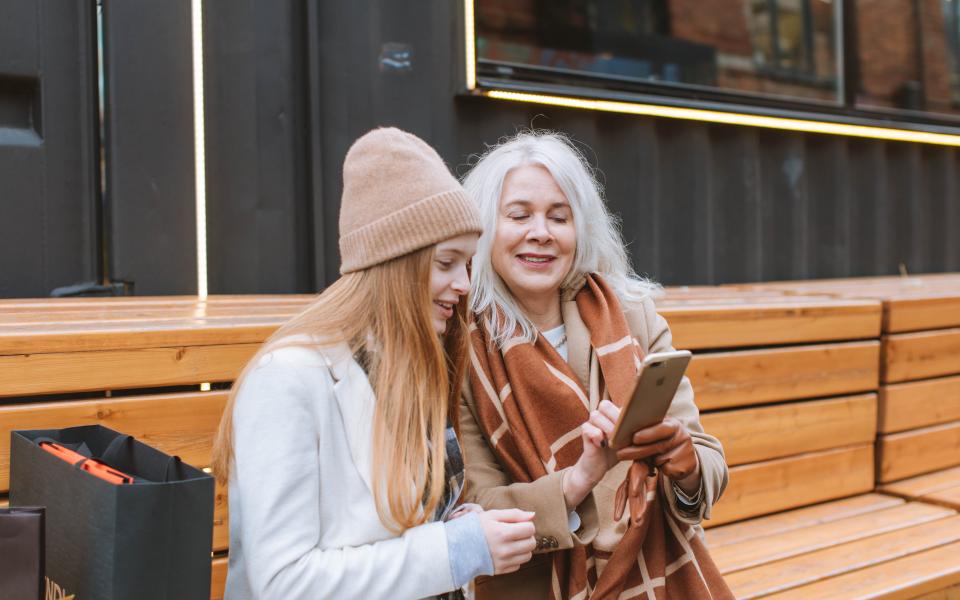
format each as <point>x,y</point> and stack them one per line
<point>653,392</point>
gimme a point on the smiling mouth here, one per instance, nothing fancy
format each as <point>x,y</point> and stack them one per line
<point>446,308</point>
<point>535,260</point>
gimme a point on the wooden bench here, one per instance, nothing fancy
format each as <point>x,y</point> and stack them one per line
<point>918,430</point>
<point>798,418</point>
<point>788,380</point>
<point>135,365</point>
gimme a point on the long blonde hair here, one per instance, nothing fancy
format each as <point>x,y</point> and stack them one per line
<point>385,311</point>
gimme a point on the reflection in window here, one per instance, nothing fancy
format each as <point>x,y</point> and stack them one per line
<point>793,37</point>
<point>951,18</point>
<point>907,55</point>
<point>783,48</point>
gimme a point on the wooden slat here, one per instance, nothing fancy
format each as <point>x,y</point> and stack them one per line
<point>799,518</point>
<point>949,497</point>
<point>221,519</point>
<point>726,379</point>
<point>836,560</point>
<point>760,551</point>
<point>218,578</point>
<point>910,303</point>
<point>910,453</point>
<point>10,323</point>
<point>950,593</point>
<point>917,281</point>
<point>94,336</point>
<point>725,324</point>
<point>917,314</point>
<point>939,487</point>
<point>67,325</point>
<point>915,404</point>
<point>910,356</point>
<point>783,483</point>
<point>755,434</point>
<point>903,578</point>
<point>22,375</point>
<point>180,424</point>
<point>917,487</point>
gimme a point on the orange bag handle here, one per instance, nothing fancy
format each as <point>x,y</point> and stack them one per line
<point>90,465</point>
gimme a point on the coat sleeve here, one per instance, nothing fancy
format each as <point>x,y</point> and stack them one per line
<point>713,466</point>
<point>277,482</point>
<point>489,486</point>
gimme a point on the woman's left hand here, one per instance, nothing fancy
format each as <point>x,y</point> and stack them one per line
<point>671,447</point>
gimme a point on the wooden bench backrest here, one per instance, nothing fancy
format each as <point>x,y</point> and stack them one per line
<point>919,406</point>
<point>87,350</point>
<point>788,384</point>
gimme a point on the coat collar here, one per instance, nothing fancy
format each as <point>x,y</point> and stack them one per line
<point>355,398</point>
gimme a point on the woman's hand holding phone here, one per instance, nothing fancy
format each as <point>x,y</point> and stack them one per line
<point>510,537</point>
<point>671,447</point>
<point>668,443</point>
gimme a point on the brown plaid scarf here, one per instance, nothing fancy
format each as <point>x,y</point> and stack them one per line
<point>530,405</point>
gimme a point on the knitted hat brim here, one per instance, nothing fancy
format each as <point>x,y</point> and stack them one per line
<point>424,223</point>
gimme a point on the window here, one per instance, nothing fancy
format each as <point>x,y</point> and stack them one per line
<point>777,48</point>
<point>902,57</point>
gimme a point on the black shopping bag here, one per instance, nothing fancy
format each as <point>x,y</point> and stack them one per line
<point>21,549</point>
<point>150,539</point>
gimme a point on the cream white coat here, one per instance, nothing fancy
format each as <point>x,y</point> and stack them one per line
<point>303,523</point>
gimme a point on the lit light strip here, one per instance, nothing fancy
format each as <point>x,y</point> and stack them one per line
<point>199,151</point>
<point>470,44</point>
<point>729,118</point>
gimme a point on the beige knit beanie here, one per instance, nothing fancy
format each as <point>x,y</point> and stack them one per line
<point>398,197</point>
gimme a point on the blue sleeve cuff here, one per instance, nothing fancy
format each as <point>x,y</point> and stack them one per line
<point>467,549</point>
<point>687,503</point>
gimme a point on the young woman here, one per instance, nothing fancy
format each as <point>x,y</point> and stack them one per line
<point>343,471</point>
<point>561,324</point>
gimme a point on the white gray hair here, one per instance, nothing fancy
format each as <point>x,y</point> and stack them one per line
<point>600,247</point>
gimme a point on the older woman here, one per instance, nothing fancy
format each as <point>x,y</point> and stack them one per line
<point>560,324</point>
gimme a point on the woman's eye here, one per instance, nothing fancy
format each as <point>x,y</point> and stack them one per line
<point>518,216</point>
<point>559,219</point>
<point>445,264</point>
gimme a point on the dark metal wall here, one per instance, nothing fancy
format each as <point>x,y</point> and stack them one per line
<point>48,234</point>
<point>289,85</point>
<point>258,155</point>
<point>149,145</point>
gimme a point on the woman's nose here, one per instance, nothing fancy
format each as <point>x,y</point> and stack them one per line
<point>538,230</point>
<point>461,283</point>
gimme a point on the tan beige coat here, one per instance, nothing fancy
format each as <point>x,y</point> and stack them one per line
<point>488,485</point>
